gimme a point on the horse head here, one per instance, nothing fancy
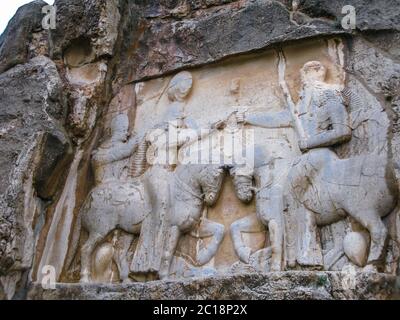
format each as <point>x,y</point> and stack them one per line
<point>210,179</point>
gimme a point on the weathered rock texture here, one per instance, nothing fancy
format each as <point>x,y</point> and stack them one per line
<point>59,88</point>
<point>279,286</point>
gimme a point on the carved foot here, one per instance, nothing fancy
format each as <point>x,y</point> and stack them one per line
<point>331,258</point>
<point>127,281</point>
<point>260,260</point>
<point>291,264</point>
<point>311,263</point>
<point>275,266</point>
<point>244,254</point>
<point>85,279</point>
<point>164,271</point>
<point>370,268</point>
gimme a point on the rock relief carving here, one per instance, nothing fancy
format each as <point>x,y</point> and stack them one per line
<point>299,188</point>
<point>320,182</point>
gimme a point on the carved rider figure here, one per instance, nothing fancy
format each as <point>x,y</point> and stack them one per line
<point>324,189</point>
<point>108,205</point>
<point>118,147</point>
<point>321,110</point>
<point>323,121</point>
<point>162,157</point>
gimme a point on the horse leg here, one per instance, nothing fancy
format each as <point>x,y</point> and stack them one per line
<point>336,253</point>
<point>247,224</point>
<point>270,211</point>
<point>122,259</point>
<point>173,236</point>
<point>291,232</point>
<point>86,256</point>
<point>309,249</point>
<point>371,220</point>
<point>210,229</point>
<point>276,237</point>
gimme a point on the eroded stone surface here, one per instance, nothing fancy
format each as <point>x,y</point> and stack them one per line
<point>14,42</point>
<point>32,117</point>
<point>285,285</point>
<point>91,192</point>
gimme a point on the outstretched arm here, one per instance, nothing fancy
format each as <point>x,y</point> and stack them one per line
<point>281,119</point>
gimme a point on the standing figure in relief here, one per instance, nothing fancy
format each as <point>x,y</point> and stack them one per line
<point>268,167</point>
<point>323,188</point>
<point>271,165</point>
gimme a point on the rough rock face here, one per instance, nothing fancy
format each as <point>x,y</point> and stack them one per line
<point>61,91</point>
<point>14,42</point>
<point>278,286</point>
<point>32,139</point>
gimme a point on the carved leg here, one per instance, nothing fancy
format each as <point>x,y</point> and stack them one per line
<point>270,208</point>
<point>170,248</point>
<point>304,247</point>
<point>336,253</point>
<point>122,259</point>
<point>86,256</point>
<point>276,237</point>
<point>291,234</point>
<point>294,210</point>
<point>217,232</point>
<point>247,224</point>
<point>309,247</point>
<point>378,232</point>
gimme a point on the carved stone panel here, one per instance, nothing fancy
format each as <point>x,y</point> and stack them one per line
<point>241,166</point>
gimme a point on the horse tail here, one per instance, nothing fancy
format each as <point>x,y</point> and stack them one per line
<point>76,233</point>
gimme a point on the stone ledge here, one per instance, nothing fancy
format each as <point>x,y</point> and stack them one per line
<point>273,286</point>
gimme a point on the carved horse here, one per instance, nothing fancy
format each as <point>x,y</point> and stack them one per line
<point>362,187</point>
<point>194,186</point>
<point>125,205</point>
<point>112,205</point>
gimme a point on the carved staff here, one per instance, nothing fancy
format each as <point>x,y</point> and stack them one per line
<point>286,92</point>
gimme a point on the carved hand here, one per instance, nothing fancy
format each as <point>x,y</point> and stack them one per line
<point>303,145</point>
<point>241,117</point>
<point>219,125</point>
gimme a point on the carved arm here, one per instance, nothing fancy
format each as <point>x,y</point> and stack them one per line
<point>117,152</point>
<point>281,119</point>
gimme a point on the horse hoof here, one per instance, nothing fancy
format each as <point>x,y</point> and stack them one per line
<point>84,280</point>
<point>291,264</point>
<point>370,269</point>
<point>127,281</point>
<point>275,268</point>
